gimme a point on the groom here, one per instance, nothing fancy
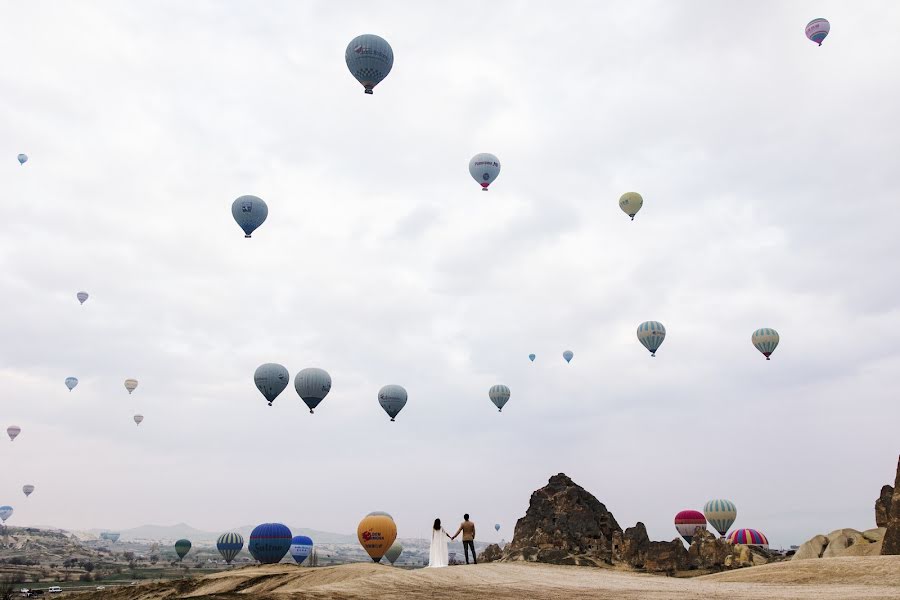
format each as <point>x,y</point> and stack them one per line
<point>467,528</point>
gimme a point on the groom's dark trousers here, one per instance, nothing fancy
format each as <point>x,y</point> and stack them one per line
<point>469,544</point>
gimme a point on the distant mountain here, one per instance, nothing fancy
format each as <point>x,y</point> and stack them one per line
<point>164,533</point>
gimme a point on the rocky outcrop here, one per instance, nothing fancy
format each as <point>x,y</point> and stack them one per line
<point>564,524</point>
<point>666,557</point>
<point>492,553</point>
<point>709,552</point>
<point>630,547</point>
<point>883,506</point>
<point>842,542</point>
<point>891,544</point>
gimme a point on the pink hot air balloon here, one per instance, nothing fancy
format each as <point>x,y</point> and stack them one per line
<point>688,522</point>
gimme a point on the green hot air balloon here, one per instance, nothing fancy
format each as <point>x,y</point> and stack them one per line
<point>721,514</point>
<point>182,547</point>
<point>394,552</point>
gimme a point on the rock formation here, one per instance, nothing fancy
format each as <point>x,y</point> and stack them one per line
<point>883,506</point>
<point>667,557</point>
<point>891,544</point>
<point>631,546</point>
<point>492,553</point>
<point>709,552</point>
<point>842,542</point>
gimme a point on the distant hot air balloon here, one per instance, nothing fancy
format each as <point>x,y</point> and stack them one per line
<point>651,334</point>
<point>380,513</point>
<point>748,537</point>
<point>131,385</point>
<point>631,203</point>
<point>270,380</point>
<point>229,545</point>
<point>250,212</point>
<point>817,30</point>
<point>688,522</point>
<point>13,432</point>
<point>301,547</point>
<point>392,399</point>
<point>765,340</point>
<point>110,536</point>
<point>484,169</point>
<point>568,355</point>
<point>312,386</point>
<point>370,59</point>
<point>82,297</point>
<point>394,552</point>
<point>720,514</point>
<point>138,419</point>
<point>5,513</point>
<point>182,547</point>
<point>71,382</point>
<point>376,533</point>
<point>269,542</point>
<point>23,158</point>
<point>531,357</point>
<point>497,527</point>
<point>499,395</point>
<point>27,489</point>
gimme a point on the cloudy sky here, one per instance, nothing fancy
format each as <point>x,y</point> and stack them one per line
<point>768,168</point>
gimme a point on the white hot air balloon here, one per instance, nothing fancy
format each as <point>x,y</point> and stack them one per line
<point>631,203</point>
<point>131,385</point>
<point>392,399</point>
<point>499,395</point>
<point>484,169</point>
<point>138,419</point>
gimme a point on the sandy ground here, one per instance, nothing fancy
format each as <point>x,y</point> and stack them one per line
<point>823,579</point>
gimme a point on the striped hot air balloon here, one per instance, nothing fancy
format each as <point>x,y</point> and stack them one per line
<point>229,544</point>
<point>817,30</point>
<point>766,340</point>
<point>748,537</point>
<point>688,522</point>
<point>651,334</point>
<point>499,395</point>
<point>182,547</point>
<point>720,514</point>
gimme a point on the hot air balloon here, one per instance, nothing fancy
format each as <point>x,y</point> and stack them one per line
<point>688,522</point>
<point>380,513</point>
<point>568,355</point>
<point>82,297</point>
<point>369,59</point>
<point>748,537</point>
<point>531,357</point>
<point>13,432</point>
<point>5,513</point>
<point>484,169</point>
<point>182,547</point>
<point>497,527</point>
<point>270,380</point>
<point>720,514</point>
<point>765,340</point>
<point>499,395</point>
<point>23,158</point>
<point>301,547</point>
<point>138,419</point>
<point>250,212</point>
<point>312,386</point>
<point>631,203</point>
<point>110,536</point>
<point>394,552</point>
<point>71,382</point>
<point>269,542</point>
<point>229,544</point>
<point>376,533</point>
<point>27,489</point>
<point>131,385</point>
<point>651,334</point>
<point>392,399</point>
<point>817,30</point>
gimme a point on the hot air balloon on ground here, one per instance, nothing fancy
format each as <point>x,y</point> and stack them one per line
<point>112,536</point>
<point>688,522</point>
<point>82,297</point>
<point>71,382</point>
<point>392,399</point>
<point>301,547</point>
<point>376,533</point>
<point>250,212</point>
<point>394,552</point>
<point>5,513</point>
<point>499,395</point>
<point>817,30</point>
<point>312,386</point>
<point>765,340</point>
<point>631,203</point>
<point>651,334</point>
<point>748,537</point>
<point>484,169</point>
<point>720,514</point>
<point>270,380</point>
<point>13,432</point>
<point>229,545</point>
<point>182,547</point>
<point>531,357</point>
<point>131,385</point>
<point>568,355</point>
<point>23,158</point>
<point>370,59</point>
<point>269,542</point>
<point>138,419</point>
<point>27,489</point>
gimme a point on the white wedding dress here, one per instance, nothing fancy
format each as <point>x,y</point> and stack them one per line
<point>437,556</point>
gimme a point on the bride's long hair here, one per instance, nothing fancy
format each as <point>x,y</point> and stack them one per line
<point>437,524</point>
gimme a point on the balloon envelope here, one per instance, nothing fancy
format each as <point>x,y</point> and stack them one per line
<point>651,334</point>
<point>394,552</point>
<point>250,212</point>
<point>301,547</point>
<point>497,527</point>
<point>392,399</point>
<point>71,382</point>
<point>229,545</point>
<point>5,513</point>
<point>131,385</point>
<point>27,489</point>
<point>631,203</point>
<point>720,514</point>
<point>13,432</point>
<point>499,395</point>
<point>817,30</point>
<point>531,357</point>
<point>23,158</point>
<point>484,169</point>
<point>110,536</point>
<point>270,380</point>
<point>269,542</point>
<point>688,522</point>
<point>748,537</point>
<point>182,547</point>
<point>765,340</point>
<point>312,386</point>
<point>370,58</point>
<point>138,419</point>
<point>376,534</point>
<point>82,297</point>
<point>568,355</point>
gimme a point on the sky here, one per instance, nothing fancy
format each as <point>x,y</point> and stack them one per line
<point>768,168</point>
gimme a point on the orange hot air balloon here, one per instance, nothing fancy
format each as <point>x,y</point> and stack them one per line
<point>376,533</point>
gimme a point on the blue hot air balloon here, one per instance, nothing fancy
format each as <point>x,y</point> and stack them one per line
<point>23,158</point>
<point>250,212</point>
<point>531,357</point>
<point>568,355</point>
<point>269,542</point>
<point>270,380</point>
<point>229,544</point>
<point>651,334</point>
<point>817,30</point>
<point>5,512</point>
<point>370,59</point>
<point>301,547</point>
<point>71,382</point>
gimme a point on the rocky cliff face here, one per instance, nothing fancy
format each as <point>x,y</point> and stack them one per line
<point>492,553</point>
<point>842,542</point>
<point>883,506</point>
<point>891,543</point>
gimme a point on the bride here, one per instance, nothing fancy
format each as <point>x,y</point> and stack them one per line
<point>437,556</point>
